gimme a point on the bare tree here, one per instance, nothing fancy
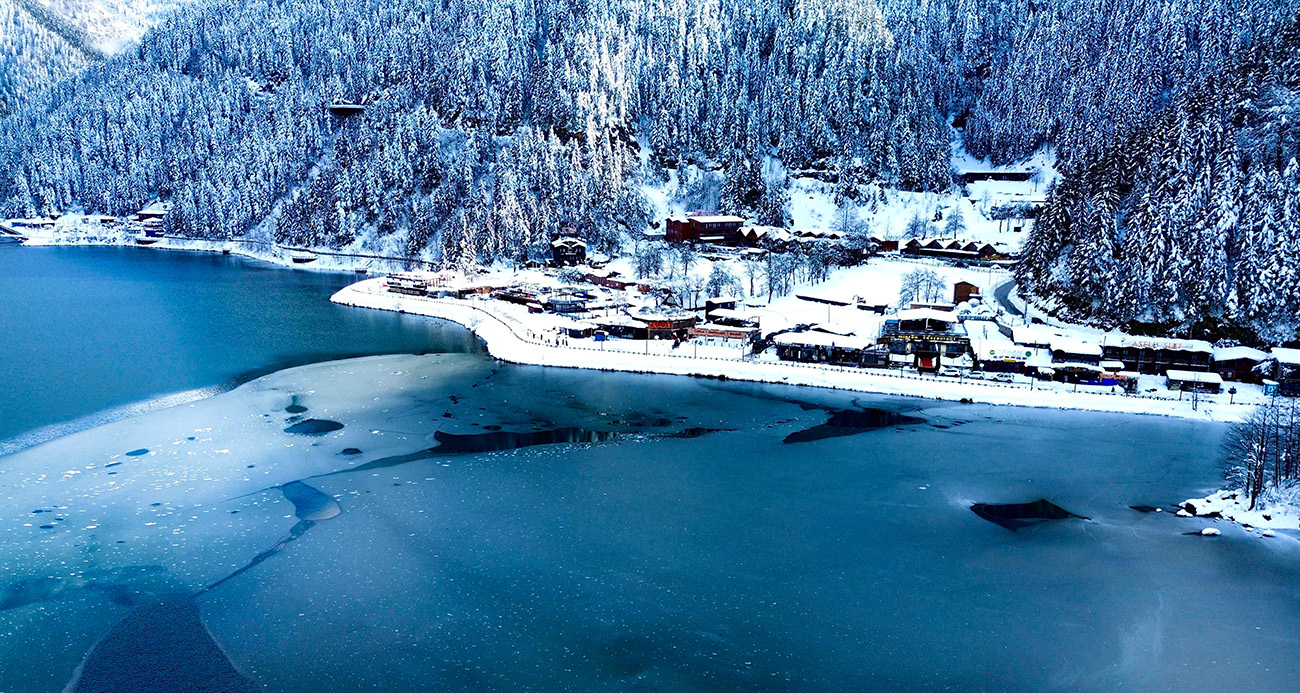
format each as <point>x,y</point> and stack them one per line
<point>918,226</point>
<point>921,285</point>
<point>753,271</point>
<point>1264,449</point>
<point>649,259</point>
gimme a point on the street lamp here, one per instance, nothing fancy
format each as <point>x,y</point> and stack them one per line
<point>1232,393</point>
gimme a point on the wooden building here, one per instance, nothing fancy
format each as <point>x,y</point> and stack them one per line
<point>1071,351</point>
<point>664,322</point>
<point>1155,355</point>
<point>1193,380</point>
<point>823,347</point>
<point>704,228</point>
<point>926,336</point>
<point>408,284</point>
<point>996,176</point>
<point>964,291</point>
<point>1286,370</point>
<point>567,251</point>
<point>1239,364</point>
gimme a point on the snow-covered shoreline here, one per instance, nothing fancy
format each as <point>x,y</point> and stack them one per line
<point>509,339</point>
<point>325,261</point>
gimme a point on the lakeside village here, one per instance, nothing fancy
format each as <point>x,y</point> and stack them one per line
<point>961,323</point>
<point>861,316</point>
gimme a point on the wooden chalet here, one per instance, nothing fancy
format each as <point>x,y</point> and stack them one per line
<point>964,291</point>
<point>704,228</point>
<point>568,251</point>
<point>1239,364</point>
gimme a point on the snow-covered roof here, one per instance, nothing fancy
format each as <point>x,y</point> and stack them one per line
<point>1112,365</point>
<point>927,314</point>
<point>1290,357</point>
<point>1078,366</point>
<point>1029,334</point>
<point>717,218</point>
<point>619,320</point>
<point>660,313</point>
<point>1239,352</point>
<point>730,314</point>
<point>833,328</point>
<point>1193,376</point>
<point>1075,346</point>
<point>568,240</point>
<point>822,339</point>
<point>1194,345</point>
<point>724,328</point>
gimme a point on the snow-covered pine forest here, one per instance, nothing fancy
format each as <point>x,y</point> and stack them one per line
<point>490,124</point>
<point>1190,219</point>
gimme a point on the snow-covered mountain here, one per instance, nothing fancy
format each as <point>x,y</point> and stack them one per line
<point>44,41</point>
<point>488,124</point>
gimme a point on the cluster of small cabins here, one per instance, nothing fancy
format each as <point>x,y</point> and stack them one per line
<point>938,340</point>
<point>962,338</point>
<point>728,230</point>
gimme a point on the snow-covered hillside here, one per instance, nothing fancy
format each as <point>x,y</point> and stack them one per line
<point>44,41</point>
<point>111,25</point>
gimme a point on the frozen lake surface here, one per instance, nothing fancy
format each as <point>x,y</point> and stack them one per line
<point>91,334</point>
<point>445,522</point>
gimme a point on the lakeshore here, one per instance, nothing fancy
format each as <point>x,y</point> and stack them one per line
<point>516,336</point>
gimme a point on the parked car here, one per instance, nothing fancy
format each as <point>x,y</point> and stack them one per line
<point>1003,378</point>
<point>975,375</point>
<point>949,372</point>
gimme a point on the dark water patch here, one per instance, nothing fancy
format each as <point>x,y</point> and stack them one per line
<point>491,427</point>
<point>309,502</point>
<point>157,648</point>
<point>296,409</point>
<point>627,655</point>
<point>697,432</point>
<point>1016,516</point>
<point>493,441</point>
<point>941,426</point>
<point>314,427</point>
<point>113,464</point>
<point>350,451</point>
<point>470,443</point>
<point>47,526</point>
<point>1152,509</point>
<point>137,453</point>
<point>851,422</point>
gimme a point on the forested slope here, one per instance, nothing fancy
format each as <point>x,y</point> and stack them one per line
<point>1193,221</point>
<point>489,123</point>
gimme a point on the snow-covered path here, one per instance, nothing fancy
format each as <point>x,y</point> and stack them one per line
<point>509,338</point>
